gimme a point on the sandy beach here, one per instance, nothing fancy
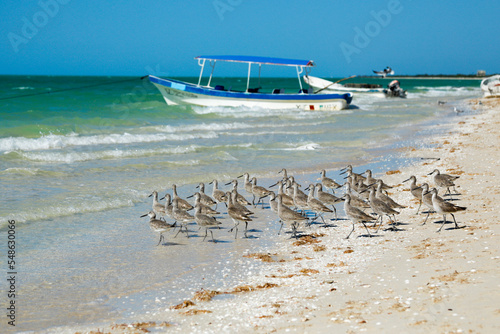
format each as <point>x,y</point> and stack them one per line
<point>413,280</point>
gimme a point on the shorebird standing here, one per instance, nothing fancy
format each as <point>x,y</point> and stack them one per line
<point>181,216</point>
<point>258,192</point>
<point>370,179</point>
<point>205,221</point>
<point>204,209</point>
<point>168,204</point>
<point>247,184</point>
<point>217,194</point>
<point>444,181</point>
<point>327,182</point>
<point>443,207</point>
<point>355,200</point>
<point>356,215</point>
<point>204,198</point>
<point>158,225</point>
<point>316,205</point>
<point>181,203</point>
<point>355,176</point>
<point>288,216</point>
<point>381,208</point>
<point>427,200</point>
<point>239,197</point>
<point>158,208</point>
<point>285,199</point>
<point>389,201</point>
<point>299,198</point>
<point>273,202</point>
<point>327,198</point>
<point>415,190</point>
<point>237,215</point>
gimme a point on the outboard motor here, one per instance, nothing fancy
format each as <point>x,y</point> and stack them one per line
<point>394,90</point>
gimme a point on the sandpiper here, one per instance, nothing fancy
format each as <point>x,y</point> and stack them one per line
<point>158,225</point>
<point>289,216</point>
<point>327,182</point>
<point>444,180</point>
<point>415,190</point>
<point>205,221</point>
<point>443,207</point>
<point>356,215</point>
<point>327,198</point>
<point>316,205</point>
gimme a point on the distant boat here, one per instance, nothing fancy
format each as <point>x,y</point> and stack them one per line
<point>491,86</point>
<point>180,92</point>
<point>322,85</point>
<point>384,72</point>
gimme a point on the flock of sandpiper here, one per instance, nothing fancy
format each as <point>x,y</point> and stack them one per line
<point>365,200</point>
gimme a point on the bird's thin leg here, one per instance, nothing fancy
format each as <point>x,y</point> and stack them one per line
<point>366,229</point>
<point>350,232</point>
<point>444,222</point>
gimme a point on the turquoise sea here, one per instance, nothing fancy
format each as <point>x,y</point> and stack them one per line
<point>77,166</point>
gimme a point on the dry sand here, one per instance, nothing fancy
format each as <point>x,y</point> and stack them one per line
<point>414,280</point>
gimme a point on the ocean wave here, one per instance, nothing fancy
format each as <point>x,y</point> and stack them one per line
<point>23,88</point>
<point>303,147</point>
<point>50,142</point>
<point>441,91</point>
<point>70,157</point>
<point>24,171</point>
<point>258,112</point>
<point>51,210</point>
<point>202,127</point>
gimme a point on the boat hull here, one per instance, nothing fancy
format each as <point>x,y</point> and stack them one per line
<point>179,92</point>
<point>329,87</point>
<point>491,86</point>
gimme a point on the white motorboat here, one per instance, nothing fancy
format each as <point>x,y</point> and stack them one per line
<point>180,92</point>
<point>491,86</point>
<point>322,85</point>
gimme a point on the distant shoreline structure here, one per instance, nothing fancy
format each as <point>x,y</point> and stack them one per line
<point>431,76</point>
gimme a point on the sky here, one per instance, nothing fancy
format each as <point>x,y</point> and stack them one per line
<point>343,38</point>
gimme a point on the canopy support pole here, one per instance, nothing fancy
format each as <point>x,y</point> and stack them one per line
<point>248,78</point>
<point>202,64</point>
<point>298,76</point>
<point>211,73</point>
<point>260,66</point>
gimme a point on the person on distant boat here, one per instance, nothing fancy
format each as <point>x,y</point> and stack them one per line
<point>385,72</point>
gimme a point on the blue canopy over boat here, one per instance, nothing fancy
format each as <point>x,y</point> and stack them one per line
<point>261,60</point>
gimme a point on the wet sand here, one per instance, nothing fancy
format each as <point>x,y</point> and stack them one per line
<point>413,280</point>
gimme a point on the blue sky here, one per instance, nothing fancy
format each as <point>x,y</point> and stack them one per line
<point>75,37</point>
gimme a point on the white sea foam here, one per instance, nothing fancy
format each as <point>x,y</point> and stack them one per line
<point>77,207</point>
<point>203,127</point>
<point>52,141</point>
<point>303,147</point>
<point>23,88</point>
<point>423,91</point>
<point>256,112</point>
<point>70,157</point>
